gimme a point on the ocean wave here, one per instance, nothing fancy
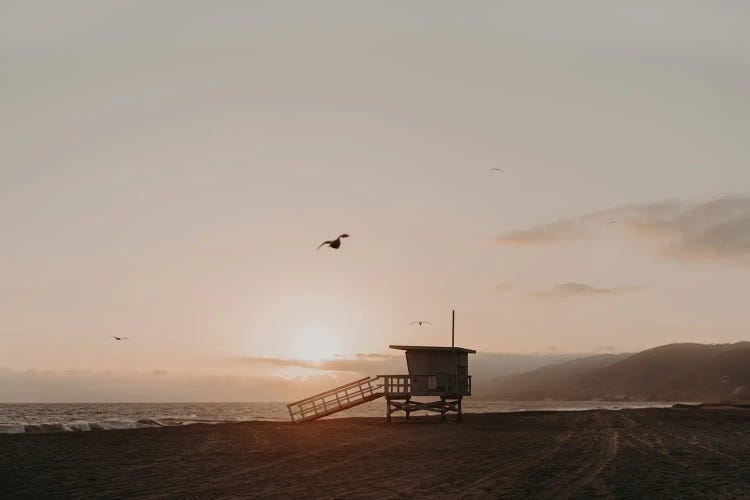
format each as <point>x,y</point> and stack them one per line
<point>107,425</point>
<point>78,425</point>
<point>118,424</point>
<point>12,429</point>
<point>149,422</point>
<point>44,428</point>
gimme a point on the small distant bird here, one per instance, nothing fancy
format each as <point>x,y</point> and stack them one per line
<point>497,169</point>
<point>613,222</point>
<point>119,338</point>
<point>334,243</point>
<point>420,323</point>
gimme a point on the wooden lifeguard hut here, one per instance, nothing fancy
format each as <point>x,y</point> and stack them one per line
<point>434,371</point>
<point>441,372</point>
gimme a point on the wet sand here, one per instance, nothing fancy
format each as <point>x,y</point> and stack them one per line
<point>647,453</point>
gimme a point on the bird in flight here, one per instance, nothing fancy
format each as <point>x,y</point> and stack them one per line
<point>119,338</point>
<point>497,169</point>
<point>334,243</point>
<point>420,323</point>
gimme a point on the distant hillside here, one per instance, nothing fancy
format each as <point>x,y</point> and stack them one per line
<point>550,382</point>
<point>489,367</point>
<point>675,372</point>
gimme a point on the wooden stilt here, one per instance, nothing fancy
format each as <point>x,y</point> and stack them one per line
<point>405,404</point>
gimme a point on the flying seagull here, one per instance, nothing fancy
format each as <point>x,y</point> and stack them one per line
<point>498,169</point>
<point>420,323</point>
<point>334,243</point>
<point>119,338</point>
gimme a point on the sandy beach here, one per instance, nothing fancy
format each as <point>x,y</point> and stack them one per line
<point>626,453</point>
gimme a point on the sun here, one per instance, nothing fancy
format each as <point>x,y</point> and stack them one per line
<point>313,343</point>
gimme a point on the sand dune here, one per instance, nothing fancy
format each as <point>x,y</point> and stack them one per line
<point>628,453</point>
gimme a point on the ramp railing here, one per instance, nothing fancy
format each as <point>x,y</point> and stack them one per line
<point>335,400</point>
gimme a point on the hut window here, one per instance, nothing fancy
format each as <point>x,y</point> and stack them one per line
<point>432,382</point>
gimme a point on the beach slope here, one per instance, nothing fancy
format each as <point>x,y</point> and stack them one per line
<point>628,453</point>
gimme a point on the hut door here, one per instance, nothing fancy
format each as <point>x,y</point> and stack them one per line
<point>431,382</point>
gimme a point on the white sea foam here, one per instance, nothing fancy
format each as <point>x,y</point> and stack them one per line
<point>118,424</point>
<point>78,425</point>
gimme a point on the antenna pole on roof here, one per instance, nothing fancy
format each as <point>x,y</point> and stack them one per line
<point>453,330</point>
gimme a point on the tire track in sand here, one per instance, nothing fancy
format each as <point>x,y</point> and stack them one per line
<point>481,485</point>
<point>588,472</point>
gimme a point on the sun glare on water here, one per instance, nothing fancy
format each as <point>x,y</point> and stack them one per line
<point>314,343</point>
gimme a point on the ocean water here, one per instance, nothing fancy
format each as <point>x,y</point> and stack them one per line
<point>71,417</point>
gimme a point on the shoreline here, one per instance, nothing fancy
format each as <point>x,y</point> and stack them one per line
<point>87,425</point>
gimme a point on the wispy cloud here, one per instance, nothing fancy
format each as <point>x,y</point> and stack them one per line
<point>361,363</point>
<point>713,230</point>
<point>84,385</point>
<point>255,385</point>
<point>580,290</point>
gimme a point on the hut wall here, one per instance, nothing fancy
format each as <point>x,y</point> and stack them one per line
<point>435,362</point>
<point>436,371</point>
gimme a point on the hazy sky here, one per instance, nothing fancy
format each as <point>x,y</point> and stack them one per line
<point>167,170</point>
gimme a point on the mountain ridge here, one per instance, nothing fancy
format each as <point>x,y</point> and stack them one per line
<point>672,372</point>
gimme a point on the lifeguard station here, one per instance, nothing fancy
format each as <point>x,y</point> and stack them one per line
<point>435,372</point>
<point>441,372</point>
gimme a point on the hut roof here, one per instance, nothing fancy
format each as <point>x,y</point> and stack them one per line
<point>431,348</point>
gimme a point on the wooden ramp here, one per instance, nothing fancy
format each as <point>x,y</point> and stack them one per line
<point>336,400</point>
